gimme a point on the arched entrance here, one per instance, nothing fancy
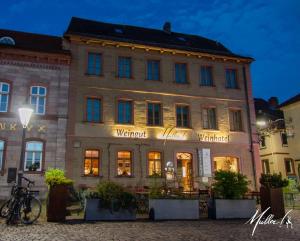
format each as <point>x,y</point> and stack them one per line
<point>185,170</point>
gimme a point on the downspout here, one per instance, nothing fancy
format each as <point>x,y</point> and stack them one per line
<point>250,127</point>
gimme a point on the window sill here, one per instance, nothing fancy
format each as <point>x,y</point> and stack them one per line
<point>155,126</point>
<point>93,176</point>
<point>34,172</point>
<point>212,130</point>
<point>125,124</point>
<point>186,83</point>
<point>228,88</point>
<point>154,80</point>
<point>119,176</point>
<point>128,78</point>
<point>93,75</point>
<point>93,123</point>
<point>184,127</point>
<point>208,86</point>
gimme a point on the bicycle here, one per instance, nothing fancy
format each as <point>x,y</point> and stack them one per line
<point>22,205</point>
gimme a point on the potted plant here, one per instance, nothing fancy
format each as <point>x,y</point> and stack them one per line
<point>271,194</point>
<point>167,203</point>
<point>229,189</point>
<point>57,197</point>
<point>109,201</point>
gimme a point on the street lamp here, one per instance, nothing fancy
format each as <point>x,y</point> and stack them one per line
<point>25,113</point>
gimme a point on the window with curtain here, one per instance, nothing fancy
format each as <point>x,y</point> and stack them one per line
<point>125,112</point>
<point>94,64</point>
<point>181,73</point>
<point>209,120</point>
<point>124,67</point>
<point>93,110</point>
<point>2,143</point>
<point>154,163</point>
<point>124,163</point>
<point>38,99</point>
<point>4,96</point>
<point>154,114</point>
<point>33,155</point>
<point>231,79</point>
<point>236,123</point>
<point>91,162</point>
<point>153,69</point>
<point>182,116</point>
<point>206,76</point>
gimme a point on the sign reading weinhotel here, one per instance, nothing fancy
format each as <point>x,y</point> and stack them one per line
<point>207,137</point>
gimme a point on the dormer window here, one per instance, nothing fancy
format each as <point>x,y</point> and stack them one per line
<point>118,30</point>
<point>7,41</point>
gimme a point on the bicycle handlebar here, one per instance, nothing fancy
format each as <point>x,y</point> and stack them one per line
<point>29,181</point>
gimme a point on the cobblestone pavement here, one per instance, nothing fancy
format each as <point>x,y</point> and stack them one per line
<point>146,230</point>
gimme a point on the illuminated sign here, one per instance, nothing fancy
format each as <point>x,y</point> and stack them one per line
<point>207,137</point>
<point>120,132</point>
<point>4,126</point>
<point>172,134</point>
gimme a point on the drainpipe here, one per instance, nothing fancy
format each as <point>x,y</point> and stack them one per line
<point>250,127</point>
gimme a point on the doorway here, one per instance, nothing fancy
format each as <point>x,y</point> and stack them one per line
<point>185,170</point>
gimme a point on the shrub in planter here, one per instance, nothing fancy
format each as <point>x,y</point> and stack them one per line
<point>229,188</point>
<point>57,194</point>
<point>271,194</point>
<point>110,201</point>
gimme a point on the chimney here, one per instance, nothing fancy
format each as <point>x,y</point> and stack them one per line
<point>167,27</point>
<point>273,102</point>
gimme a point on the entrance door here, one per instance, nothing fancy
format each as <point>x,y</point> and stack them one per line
<point>185,170</point>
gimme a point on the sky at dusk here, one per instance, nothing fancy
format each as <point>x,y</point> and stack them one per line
<point>268,31</point>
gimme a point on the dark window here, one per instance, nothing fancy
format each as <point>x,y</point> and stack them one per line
<point>125,112</point>
<point>124,163</point>
<point>94,64</point>
<point>91,162</point>
<point>154,114</point>
<point>153,70</point>
<point>124,67</point>
<point>262,142</point>
<point>236,120</point>
<point>182,116</point>
<point>266,166</point>
<point>93,110</point>
<point>289,166</point>
<point>181,73</point>
<point>231,79</point>
<point>206,77</point>
<point>209,118</point>
<point>284,140</point>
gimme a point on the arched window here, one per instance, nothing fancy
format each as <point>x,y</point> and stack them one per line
<point>2,144</point>
<point>7,40</point>
<point>4,96</point>
<point>38,99</point>
<point>33,156</point>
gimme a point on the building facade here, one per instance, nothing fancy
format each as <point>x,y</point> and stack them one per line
<point>34,70</point>
<point>140,98</point>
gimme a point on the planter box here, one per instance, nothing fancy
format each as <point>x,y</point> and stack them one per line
<point>94,212</point>
<point>226,209</point>
<point>273,198</point>
<point>166,209</point>
<point>57,203</point>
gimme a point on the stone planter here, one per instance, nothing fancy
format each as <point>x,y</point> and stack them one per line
<point>94,212</point>
<point>57,203</point>
<point>167,209</point>
<point>272,198</point>
<point>227,208</point>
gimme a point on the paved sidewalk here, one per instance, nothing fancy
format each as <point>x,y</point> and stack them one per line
<point>146,230</point>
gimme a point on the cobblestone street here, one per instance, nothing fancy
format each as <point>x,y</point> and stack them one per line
<point>146,230</point>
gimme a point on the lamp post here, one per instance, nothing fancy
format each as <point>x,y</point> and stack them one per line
<point>25,113</point>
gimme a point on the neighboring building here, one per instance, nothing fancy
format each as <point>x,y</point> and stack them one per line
<point>274,142</point>
<point>142,97</point>
<point>34,69</point>
<point>291,110</point>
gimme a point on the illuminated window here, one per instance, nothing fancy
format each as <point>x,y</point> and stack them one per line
<point>181,73</point>
<point>266,166</point>
<point>236,120</point>
<point>209,120</point>
<point>154,163</point>
<point>206,76</point>
<point>94,64</point>
<point>231,79</point>
<point>154,114</point>
<point>33,156</point>
<point>125,112</point>
<point>93,110</point>
<point>4,96</point>
<point>124,67</point>
<point>124,163</point>
<point>226,164</point>
<point>91,162</point>
<point>38,99</point>
<point>289,166</point>
<point>1,154</point>
<point>152,70</point>
<point>182,116</point>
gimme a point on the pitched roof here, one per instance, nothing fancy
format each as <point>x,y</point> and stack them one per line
<point>33,42</point>
<point>146,36</point>
<point>290,101</point>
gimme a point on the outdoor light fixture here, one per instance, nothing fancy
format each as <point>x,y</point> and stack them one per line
<point>25,115</point>
<point>261,123</point>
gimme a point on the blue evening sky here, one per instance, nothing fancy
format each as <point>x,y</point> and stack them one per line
<point>267,30</point>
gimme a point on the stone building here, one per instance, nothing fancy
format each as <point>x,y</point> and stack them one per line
<point>140,98</point>
<point>34,70</point>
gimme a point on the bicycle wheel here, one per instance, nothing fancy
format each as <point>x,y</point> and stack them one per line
<point>30,210</point>
<point>4,210</point>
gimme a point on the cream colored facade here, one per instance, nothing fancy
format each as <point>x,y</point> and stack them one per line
<point>109,137</point>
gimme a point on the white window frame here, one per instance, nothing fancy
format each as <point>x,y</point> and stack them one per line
<point>33,154</point>
<point>4,93</point>
<point>38,97</point>
<point>2,154</point>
